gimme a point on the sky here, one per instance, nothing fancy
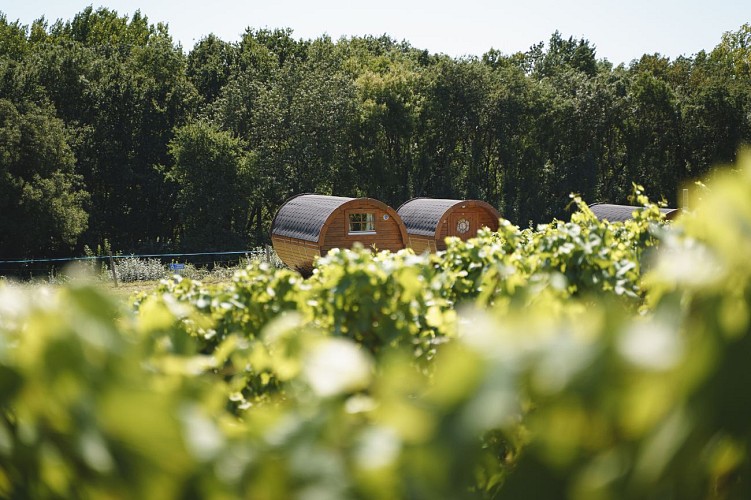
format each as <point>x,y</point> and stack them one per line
<point>620,30</point>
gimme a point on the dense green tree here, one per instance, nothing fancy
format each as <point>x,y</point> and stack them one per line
<point>576,161</point>
<point>452,127</point>
<point>389,109</point>
<point>214,180</point>
<point>717,102</point>
<point>297,120</point>
<point>121,85</point>
<point>733,53</point>
<point>517,104</point>
<point>42,200</point>
<point>13,43</point>
<point>106,30</point>
<point>279,43</point>
<point>561,54</point>
<point>715,121</point>
<point>210,65</point>
<point>653,157</point>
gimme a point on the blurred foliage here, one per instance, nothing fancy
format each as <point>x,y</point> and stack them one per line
<point>577,360</point>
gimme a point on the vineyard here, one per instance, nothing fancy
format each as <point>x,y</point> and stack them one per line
<point>578,359</point>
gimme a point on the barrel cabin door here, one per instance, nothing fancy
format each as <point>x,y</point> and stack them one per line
<point>463,225</point>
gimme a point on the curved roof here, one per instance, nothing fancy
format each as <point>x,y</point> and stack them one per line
<point>422,215</point>
<point>304,215</point>
<point>620,213</point>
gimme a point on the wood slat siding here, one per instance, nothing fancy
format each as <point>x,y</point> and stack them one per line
<point>442,233</point>
<point>483,213</point>
<point>421,244</point>
<point>388,235</point>
<point>486,219</point>
<point>298,253</point>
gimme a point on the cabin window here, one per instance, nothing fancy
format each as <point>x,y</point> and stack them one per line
<point>361,222</point>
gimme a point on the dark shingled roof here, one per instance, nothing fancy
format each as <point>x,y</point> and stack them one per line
<point>620,213</point>
<point>303,216</point>
<point>422,215</point>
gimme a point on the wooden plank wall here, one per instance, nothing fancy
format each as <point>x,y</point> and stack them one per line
<point>387,234</point>
<point>420,244</point>
<point>484,219</point>
<point>299,254</point>
<point>295,253</point>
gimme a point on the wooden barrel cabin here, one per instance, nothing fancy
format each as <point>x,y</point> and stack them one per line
<point>309,225</point>
<point>429,221</point>
<point>621,213</point>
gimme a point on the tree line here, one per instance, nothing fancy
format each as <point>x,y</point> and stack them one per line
<point>110,131</point>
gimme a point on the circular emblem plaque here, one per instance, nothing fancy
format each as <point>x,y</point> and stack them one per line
<point>462,226</point>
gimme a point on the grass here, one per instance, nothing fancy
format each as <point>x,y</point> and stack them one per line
<point>141,275</point>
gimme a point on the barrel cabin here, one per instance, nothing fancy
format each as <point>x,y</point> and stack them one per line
<point>621,213</point>
<point>429,221</point>
<point>309,225</point>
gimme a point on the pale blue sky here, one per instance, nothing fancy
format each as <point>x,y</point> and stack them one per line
<point>621,30</point>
